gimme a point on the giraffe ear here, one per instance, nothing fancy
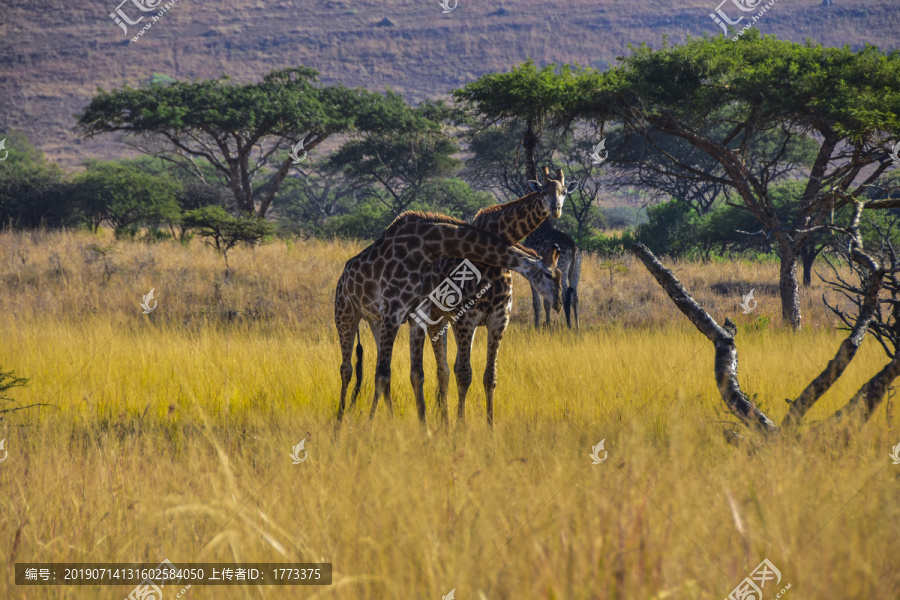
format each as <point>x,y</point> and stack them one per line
<point>534,186</point>
<point>573,185</point>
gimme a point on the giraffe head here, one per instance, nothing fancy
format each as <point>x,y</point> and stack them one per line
<point>553,191</point>
<point>547,278</point>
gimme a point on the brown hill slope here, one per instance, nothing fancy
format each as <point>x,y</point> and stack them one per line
<point>53,57</point>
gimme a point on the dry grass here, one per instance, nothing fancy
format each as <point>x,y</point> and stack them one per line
<point>171,434</point>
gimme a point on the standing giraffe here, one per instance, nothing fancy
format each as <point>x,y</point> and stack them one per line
<point>511,221</point>
<point>382,283</point>
<point>543,238</point>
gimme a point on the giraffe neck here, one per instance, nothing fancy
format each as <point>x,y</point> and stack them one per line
<point>541,232</point>
<point>426,241</point>
<point>514,220</point>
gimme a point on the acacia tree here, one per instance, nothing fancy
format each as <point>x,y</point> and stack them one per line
<point>224,231</point>
<point>722,96</point>
<point>392,167</point>
<point>668,167</point>
<point>311,197</point>
<point>492,165</point>
<point>242,131</point>
<point>538,97</point>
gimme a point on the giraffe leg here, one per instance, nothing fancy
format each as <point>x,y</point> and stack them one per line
<point>376,333</point>
<point>496,327</point>
<point>386,336</point>
<point>575,305</point>
<point>347,322</point>
<point>536,305</point>
<point>547,310</point>
<point>346,374</point>
<point>464,330</point>
<point>416,366</point>
<point>439,346</point>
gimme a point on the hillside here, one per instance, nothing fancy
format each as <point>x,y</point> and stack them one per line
<point>53,57</point>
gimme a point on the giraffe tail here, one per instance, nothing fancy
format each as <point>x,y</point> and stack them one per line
<point>359,367</point>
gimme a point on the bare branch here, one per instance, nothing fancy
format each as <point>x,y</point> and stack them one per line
<point>848,348</point>
<point>726,364</point>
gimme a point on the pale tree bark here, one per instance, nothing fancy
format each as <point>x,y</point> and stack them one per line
<point>870,395</point>
<point>848,348</point>
<point>726,362</point>
<point>789,287</point>
<point>885,327</point>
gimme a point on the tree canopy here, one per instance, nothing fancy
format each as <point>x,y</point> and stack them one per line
<point>539,97</point>
<point>242,131</point>
<point>724,98</point>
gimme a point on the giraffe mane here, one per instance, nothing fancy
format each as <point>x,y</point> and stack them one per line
<point>412,215</point>
<point>496,207</point>
<point>528,251</point>
<point>415,215</point>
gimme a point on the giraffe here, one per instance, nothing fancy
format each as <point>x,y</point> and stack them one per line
<point>541,239</point>
<point>511,221</point>
<point>381,284</point>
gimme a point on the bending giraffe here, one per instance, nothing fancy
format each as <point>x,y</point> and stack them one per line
<point>543,238</point>
<point>511,221</point>
<point>382,283</point>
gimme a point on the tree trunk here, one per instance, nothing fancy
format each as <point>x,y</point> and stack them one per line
<point>243,204</point>
<point>870,395</point>
<point>788,285</point>
<point>847,350</point>
<point>722,337</point>
<point>808,256</point>
<point>529,143</point>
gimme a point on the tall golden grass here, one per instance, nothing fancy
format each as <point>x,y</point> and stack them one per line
<point>169,437</point>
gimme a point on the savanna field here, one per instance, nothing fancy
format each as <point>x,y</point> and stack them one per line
<point>168,435</point>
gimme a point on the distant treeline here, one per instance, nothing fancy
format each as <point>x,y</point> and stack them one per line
<point>710,152</point>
